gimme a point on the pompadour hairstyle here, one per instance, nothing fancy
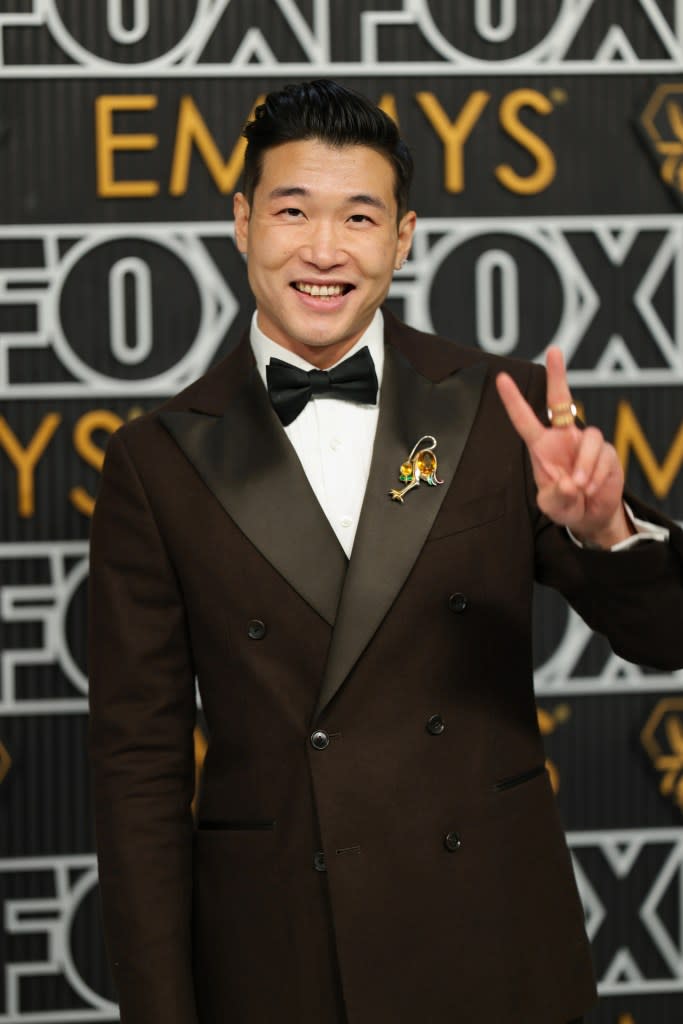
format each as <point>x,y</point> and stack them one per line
<point>331,113</point>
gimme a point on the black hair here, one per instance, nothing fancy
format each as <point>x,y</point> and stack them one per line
<point>331,113</point>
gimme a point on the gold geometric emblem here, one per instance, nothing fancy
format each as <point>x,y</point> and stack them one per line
<point>662,738</point>
<point>548,722</point>
<point>662,127</point>
<point>5,761</point>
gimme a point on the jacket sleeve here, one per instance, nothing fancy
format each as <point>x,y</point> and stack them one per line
<point>142,716</point>
<point>633,597</point>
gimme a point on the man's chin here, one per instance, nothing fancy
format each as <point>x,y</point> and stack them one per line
<point>320,336</point>
<point>319,349</point>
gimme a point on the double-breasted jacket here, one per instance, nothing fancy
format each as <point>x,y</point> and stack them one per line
<point>376,840</point>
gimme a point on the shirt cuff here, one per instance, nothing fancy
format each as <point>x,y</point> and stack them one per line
<point>644,531</point>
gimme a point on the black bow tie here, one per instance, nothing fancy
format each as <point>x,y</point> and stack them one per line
<point>290,388</point>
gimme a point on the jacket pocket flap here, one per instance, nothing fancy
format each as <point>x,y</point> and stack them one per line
<point>483,509</point>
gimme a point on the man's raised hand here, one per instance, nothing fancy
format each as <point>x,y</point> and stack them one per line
<point>579,477</point>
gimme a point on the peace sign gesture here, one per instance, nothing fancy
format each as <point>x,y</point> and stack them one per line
<point>579,477</point>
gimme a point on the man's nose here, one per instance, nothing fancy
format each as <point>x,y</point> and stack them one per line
<point>322,246</point>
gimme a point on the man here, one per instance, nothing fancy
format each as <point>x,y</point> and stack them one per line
<point>377,840</point>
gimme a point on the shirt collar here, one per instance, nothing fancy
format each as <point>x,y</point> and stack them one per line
<point>265,349</point>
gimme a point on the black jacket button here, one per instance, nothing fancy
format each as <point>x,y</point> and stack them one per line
<point>256,629</point>
<point>320,739</point>
<point>452,841</point>
<point>436,725</point>
<point>457,603</point>
<point>319,861</point>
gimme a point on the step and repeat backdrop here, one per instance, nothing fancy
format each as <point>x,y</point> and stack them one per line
<point>548,138</point>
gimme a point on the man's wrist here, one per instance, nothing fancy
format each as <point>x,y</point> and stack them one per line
<point>619,529</point>
<point>642,531</point>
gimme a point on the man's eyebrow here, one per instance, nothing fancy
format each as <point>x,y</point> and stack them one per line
<point>368,200</point>
<point>288,190</point>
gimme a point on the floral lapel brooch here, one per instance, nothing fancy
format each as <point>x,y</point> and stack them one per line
<point>420,465</point>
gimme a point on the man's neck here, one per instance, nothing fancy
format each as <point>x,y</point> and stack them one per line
<point>265,348</point>
<point>322,357</point>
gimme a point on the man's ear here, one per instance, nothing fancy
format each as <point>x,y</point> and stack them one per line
<point>406,230</point>
<point>241,211</point>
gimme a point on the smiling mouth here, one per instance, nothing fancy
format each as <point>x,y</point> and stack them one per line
<point>322,291</point>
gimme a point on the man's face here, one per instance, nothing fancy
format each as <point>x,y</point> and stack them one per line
<point>322,243</point>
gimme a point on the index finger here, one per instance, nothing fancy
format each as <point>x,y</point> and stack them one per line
<point>558,392</point>
<point>522,416</point>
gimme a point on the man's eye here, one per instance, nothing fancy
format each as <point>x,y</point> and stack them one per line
<point>360,218</point>
<point>292,211</point>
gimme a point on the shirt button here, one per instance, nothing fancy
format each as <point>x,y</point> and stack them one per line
<point>256,629</point>
<point>335,443</point>
<point>320,740</point>
<point>457,603</point>
<point>346,521</point>
<point>452,841</point>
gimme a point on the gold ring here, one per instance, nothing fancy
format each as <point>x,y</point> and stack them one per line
<point>562,415</point>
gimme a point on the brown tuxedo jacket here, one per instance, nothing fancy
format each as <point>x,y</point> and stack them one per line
<point>377,841</point>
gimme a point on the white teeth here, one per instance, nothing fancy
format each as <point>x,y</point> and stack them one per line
<point>320,290</point>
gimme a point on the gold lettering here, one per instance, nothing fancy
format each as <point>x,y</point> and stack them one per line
<point>453,134</point>
<point>97,419</point>
<point>546,166</point>
<point>107,143</point>
<point>26,459</point>
<point>387,103</point>
<point>629,436</point>
<point>192,130</point>
<point>5,761</point>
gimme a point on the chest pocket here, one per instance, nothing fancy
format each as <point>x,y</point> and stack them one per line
<point>479,511</point>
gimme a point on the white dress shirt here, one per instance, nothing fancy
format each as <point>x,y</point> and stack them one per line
<point>333,439</point>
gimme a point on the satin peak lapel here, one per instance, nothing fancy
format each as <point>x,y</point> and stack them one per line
<point>391,535</point>
<point>246,460</point>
